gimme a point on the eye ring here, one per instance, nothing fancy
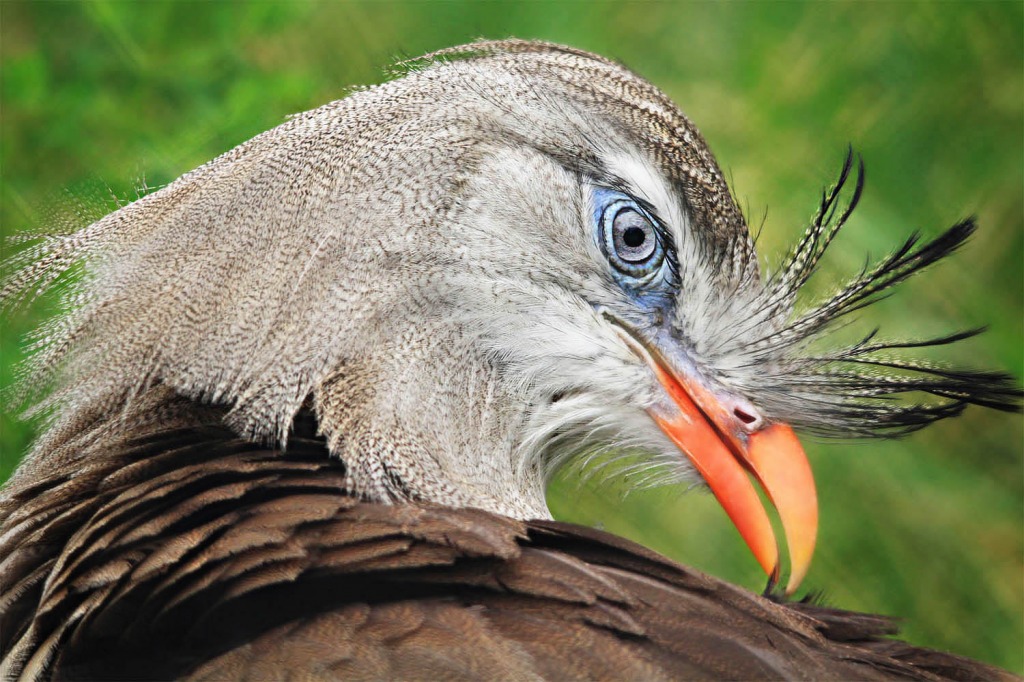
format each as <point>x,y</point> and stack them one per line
<point>631,240</point>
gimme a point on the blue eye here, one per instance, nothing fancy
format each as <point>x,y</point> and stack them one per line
<point>629,238</point>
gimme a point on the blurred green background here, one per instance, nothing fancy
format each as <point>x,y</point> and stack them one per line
<point>100,97</point>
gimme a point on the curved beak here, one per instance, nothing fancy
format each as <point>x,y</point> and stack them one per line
<point>724,445</point>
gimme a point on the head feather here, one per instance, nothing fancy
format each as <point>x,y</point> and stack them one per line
<point>865,388</point>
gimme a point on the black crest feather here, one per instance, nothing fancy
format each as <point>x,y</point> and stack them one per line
<point>866,388</point>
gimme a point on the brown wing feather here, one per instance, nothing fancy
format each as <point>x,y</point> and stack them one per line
<point>191,553</point>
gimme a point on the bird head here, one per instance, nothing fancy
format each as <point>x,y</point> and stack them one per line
<point>512,256</point>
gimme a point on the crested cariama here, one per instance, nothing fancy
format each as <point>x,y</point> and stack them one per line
<point>308,397</point>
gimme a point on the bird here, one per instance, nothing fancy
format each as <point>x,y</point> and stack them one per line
<point>301,404</point>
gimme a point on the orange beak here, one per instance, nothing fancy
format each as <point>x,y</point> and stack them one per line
<point>724,453</point>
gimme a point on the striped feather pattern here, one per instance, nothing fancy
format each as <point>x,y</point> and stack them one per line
<point>196,554</point>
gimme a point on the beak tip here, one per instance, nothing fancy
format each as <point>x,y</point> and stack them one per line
<point>795,578</point>
<point>781,466</point>
<point>801,552</point>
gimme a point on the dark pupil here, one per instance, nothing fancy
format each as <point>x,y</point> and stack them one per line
<point>633,237</point>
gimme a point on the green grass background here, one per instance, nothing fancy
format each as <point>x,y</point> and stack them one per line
<point>98,96</point>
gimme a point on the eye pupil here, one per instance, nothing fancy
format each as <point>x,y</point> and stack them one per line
<point>633,237</point>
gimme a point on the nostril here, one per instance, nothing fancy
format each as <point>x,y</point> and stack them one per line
<point>748,415</point>
<point>744,416</point>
